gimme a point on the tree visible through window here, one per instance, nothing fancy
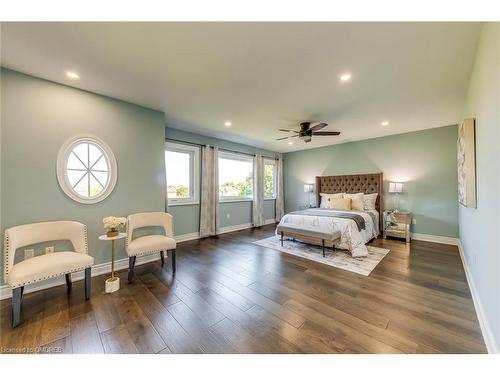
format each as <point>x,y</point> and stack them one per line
<point>181,164</point>
<point>269,178</point>
<point>178,168</point>
<point>235,176</point>
<point>86,169</point>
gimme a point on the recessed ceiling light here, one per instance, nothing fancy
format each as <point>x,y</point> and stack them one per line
<point>290,143</point>
<point>72,75</point>
<point>345,77</point>
<point>385,123</point>
<point>228,124</point>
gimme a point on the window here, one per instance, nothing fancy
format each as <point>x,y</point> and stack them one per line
<point>235,177</point>
<point>86,169</point>
<point>182,170</point>
<point>269,179</point>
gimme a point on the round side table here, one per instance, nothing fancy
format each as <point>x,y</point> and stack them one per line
<point>113,283</point>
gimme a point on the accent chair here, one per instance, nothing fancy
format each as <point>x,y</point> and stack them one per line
<point>47,266</point>
<point>149,244</point>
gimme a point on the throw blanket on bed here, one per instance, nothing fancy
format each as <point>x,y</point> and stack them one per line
<point>358,219</point>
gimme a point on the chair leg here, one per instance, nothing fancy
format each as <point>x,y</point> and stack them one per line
<point>323,247</point>
<point>162,255</point>
<point>68,281</point>
<point>131,264</point>
<point>281,239</point>
<point>17,294</point>
<point>88,283</point>
<point>172,254</point>
<point>22,291</point>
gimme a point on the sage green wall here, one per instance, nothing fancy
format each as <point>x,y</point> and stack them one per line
<point>424,160</point>
<point>479,227</point>
<point>187,217</point>
<point>37,117</point>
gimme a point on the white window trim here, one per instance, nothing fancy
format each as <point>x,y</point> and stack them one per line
<point>195,198</point>
<point>62,177</point>
<point>241,157</point>
<point>273,163</point>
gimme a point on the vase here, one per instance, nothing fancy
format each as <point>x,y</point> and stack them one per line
<point>112,233</point>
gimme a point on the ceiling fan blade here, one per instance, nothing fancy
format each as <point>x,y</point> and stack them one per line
<point>293,136</point>
<point>317,127</point>
<point>286,130</point>
<point>326,133</point>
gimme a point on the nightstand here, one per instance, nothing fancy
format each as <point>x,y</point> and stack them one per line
<point>397,224</point>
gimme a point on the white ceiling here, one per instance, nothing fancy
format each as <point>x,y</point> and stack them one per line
<point>262,76</point>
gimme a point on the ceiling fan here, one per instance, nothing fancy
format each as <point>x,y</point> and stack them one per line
<point>306,132</point>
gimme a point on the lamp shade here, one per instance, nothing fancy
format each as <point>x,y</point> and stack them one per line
<point>396,187</point>
<point>308,188</point>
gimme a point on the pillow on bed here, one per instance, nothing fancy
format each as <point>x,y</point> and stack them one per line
<point>357,201</point>
<point>339,203</point>
<point>325,197</point>
<point>369,201</point>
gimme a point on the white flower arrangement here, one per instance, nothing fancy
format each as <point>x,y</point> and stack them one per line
<point>113,222</point>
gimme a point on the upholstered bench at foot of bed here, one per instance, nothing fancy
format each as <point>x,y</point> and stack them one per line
<point>296,231</point>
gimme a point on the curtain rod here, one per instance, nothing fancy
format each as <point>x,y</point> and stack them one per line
<point>220,148</point>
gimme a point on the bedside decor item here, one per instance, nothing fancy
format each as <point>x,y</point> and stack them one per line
<point>113,224</point>
<point>308,189</point>
<point>112,284</point>
<point>466,158</point>
<point>86,169</point>
<point>397,224</point>
<point>396,188</point>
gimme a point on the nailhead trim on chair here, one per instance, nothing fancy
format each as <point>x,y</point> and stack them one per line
<point>6,257</point>
<point>150,252</point>
<point>6,260</point>
<point>50,277</point>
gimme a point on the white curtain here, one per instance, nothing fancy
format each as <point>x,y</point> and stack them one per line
<point>280,206</point>
<point>258,191</point>
<point>209,205</point>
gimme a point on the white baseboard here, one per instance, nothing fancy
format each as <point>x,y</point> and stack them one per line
<point>270,221</point>
<point>187,237</point>
<point>489,338</point>
<point>234,228</point>
<point>433,238</point>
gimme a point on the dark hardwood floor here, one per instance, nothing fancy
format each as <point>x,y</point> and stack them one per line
<point>230,296</point>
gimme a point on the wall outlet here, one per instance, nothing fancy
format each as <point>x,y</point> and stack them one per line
<point>414,221</point>
<point>228,216</point>
<point>49,249</point>
<point>29,253</point>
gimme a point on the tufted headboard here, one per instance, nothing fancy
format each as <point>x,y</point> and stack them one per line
<point>354,183</point>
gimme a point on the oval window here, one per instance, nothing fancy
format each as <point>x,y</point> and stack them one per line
<point>86,169</point>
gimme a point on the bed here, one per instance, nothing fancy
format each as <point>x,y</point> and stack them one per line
<point>357,227</point>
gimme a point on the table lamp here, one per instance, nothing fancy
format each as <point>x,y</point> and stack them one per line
<point>396,188</point>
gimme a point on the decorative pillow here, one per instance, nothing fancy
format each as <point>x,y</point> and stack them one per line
<point>325,197</point>
<point>340,203</point>
<point>357,201</point>
<point>369,201</point>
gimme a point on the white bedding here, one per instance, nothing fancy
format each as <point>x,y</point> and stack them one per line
<point>351,238</point>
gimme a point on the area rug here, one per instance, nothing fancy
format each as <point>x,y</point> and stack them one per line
<point>338,258</point>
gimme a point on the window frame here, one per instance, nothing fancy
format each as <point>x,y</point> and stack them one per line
<point>240,157</point>
<point>194,173</point>
<point>61,168</point>
<point>272,162</point>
